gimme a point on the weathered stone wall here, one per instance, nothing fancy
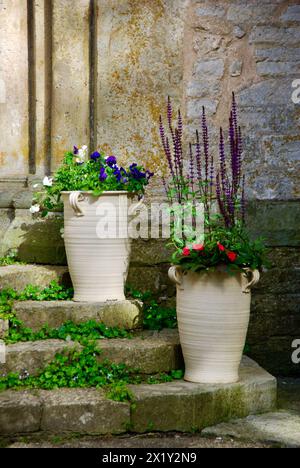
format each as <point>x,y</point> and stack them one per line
<point>99,71</point>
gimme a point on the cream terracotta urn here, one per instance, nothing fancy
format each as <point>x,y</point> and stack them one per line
<point>97,244</point>
<point>213,310</point>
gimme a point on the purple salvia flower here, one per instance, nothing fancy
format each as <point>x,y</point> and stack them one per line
<point>243,201</point>
<point>234,114</point>
<point>191,174</point>
<point>178,146</point>
<point>166,146</point>
<point>205,145</point>
<point>222,161</point>
<point>234,155</point>
<point>169,157</point>
<point>239,154</point>
<point>198,157</point>
<point>169,113</point>
<point>180,125</point>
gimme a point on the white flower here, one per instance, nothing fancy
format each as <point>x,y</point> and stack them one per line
<point>34,209</point>
<point>48,182</point>
<point>82,154</point>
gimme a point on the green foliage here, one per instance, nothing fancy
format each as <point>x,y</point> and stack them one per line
<point>82,332</point>
<point>74,176</point>
<point>54,292</point>
<point>77,369</point>
<point>218,245</point>
<point>166,377</point>
<point>10,259</point>
<point>118,391</point>
<point>156,317</point>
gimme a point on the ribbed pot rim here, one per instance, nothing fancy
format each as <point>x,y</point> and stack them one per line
<point>108,192</point>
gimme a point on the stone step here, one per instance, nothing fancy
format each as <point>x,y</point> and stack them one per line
<point>175,406</point>
<point>280,427</point>
<point>123,314</point>
<point>19,276</point>
<point>147,352</point>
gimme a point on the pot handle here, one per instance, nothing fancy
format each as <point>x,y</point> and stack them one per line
<point>255,278</point>
<point>74,199</point>
<point>134,208</point>
<point>175,275</point>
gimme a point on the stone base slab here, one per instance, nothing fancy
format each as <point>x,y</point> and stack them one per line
<point>174,406</point>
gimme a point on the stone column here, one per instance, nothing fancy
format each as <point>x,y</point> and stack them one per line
<point>70,88</point>
<point>13,91</point>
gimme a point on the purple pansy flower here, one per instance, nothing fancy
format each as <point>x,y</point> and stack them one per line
<point>102,175</point>
<point>96,155</point>
<point>136,173</point>
<point>75,150</point>
<point>111,161</point>
<point>121,175</point>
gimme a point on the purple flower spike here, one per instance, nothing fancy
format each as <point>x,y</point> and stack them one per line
<point>111,161</point>
<point>191,174</point>
<point>102,175</point>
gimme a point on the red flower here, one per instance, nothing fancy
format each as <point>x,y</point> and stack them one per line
<point>198,247</point>
<point>221,247</point>
<point>232,256</point>
<point>186,251</point>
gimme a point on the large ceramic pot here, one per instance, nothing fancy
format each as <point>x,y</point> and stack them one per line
<point>97,244</point>
<point>213,310</point>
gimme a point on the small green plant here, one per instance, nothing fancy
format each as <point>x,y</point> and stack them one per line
<point>156,317</point>
<point>10,259</point>
<point>119,391</point>
<point>82,332</point>
<point>77,369</point>
<point>166,377</point>
<point>54,292</point>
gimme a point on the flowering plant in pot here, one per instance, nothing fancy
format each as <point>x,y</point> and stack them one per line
<point>214,267</point>
<point>94,192</point>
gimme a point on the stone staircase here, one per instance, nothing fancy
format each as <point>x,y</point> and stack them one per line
<point>172,406</point>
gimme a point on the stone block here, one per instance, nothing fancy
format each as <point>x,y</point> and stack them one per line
<point>277,222</point>
<point>272,69</point>
<point>242,13</point>
<point>207,10</point>
<point>20,412</point>
<point>236,68</point>
<point>35,240</point>
<point>122,314</point>
<point>209,68</point>
<point>20,276</point>
<point>84,411</point>
<point>278,54</point>
<point>33,357</point>
<point>185,406</point>
<point>292,14</point>
<point>275,35</point>
<point>149,353</point>
<point>281,428</point>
